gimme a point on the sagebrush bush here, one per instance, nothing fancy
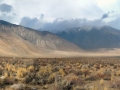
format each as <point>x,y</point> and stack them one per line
<point>105,88</point>
<point>101,82</point>
<point>64,75</point>
<point>62,84</point>
<point>115,84</point>
<point>61,71</point>
<point>31,68</point>
<point>51,78</point>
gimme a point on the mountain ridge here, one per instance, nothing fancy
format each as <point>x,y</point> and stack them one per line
<point>18,39</point>
<point>94,38</point>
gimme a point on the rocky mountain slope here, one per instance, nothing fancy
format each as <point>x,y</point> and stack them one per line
<point>91,37</point>
<point>16,40</point>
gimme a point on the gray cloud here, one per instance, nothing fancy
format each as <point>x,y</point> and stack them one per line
<point>61,24</point>
<point>106,15</point>
<point>7,13</point>
<point>31,22</point>
<point>5,8</point>
<point>58,24</point>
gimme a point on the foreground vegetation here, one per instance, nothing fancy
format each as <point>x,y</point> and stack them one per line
<point>101,73</point>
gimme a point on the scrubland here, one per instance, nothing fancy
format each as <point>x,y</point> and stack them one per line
<point>84,73</point>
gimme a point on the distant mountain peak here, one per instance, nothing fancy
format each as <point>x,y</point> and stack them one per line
<point>85,28</point>
<point>89,27</point>
<point>106,26</point>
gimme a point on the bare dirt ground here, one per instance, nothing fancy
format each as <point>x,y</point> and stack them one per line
<point>82,73</point>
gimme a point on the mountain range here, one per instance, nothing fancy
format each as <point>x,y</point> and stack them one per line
<point>19,41</point>
<point>91,37</point>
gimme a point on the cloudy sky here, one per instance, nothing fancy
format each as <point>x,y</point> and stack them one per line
<point>61,14</point>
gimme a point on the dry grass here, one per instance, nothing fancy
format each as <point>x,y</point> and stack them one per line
<point>60,73</point>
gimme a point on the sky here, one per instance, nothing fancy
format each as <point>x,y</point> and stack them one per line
<point>55,15</point>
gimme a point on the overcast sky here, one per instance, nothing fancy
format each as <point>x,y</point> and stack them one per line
<point>61,14</point>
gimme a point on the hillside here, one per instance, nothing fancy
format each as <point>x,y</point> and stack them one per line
<point>16,40</point>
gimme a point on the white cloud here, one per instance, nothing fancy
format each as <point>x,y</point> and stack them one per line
<point>107,4</point>
<point>66,9</point>
<point>50,10</point>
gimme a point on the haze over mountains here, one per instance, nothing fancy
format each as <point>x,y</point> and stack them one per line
<point>91,37</point>
<point>19,41</point>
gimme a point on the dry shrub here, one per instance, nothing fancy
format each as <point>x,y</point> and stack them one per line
<point>103,74</point>
<point>90,78</point>
<point>1,70</point>
<point>6,81</point>
<point>31,68</point>
<point>62,84</point>
<point>21,72</point>
<point>9,81</point>
<point>51,78</point>
<point>74,79</point>
<point>95,88</point>
<point>6,74</point>
<point>61,71</point>
<point>115,84</point>
<point>105,88</point>
<point>17,87</point>
<point>101,82</point>
<point>85,72</point>
<point>117,73</point>
<point>77,72</point>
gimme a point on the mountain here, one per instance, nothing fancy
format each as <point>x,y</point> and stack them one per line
<point>92,37</point>
<point>16,40</point>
